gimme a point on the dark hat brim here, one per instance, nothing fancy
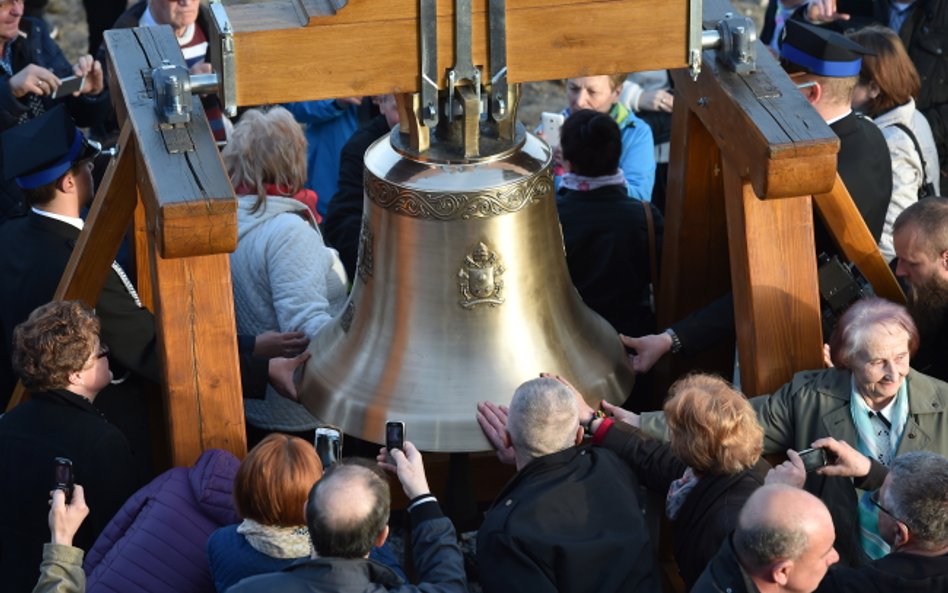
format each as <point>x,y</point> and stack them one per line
<point>80,150</point>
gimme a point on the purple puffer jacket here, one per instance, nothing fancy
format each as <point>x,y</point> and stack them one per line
<point>155,543</point>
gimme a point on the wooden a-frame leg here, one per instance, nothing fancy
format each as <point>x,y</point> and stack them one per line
<point>773,274</point>
<point>195,313</point>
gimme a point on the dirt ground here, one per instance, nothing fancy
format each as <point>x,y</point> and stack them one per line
<point>69,16</point>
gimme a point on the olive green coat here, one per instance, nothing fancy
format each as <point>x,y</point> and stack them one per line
<point>816,404</point>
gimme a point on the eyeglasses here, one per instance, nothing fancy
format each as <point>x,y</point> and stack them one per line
<point>103,350</point>
<point>9,3</point>
<point>874,499</point>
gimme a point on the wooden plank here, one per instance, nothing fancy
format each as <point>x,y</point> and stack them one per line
<point>763,124</point>
<point>371,47</point>
<point>773,273</point>
<point>849,230</point>
<point>202,397</point>
<point>143,263</point>
<point>188,197</point>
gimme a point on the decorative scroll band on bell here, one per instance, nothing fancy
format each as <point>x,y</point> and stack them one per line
<point>366,258</point>
<point>488,203</point>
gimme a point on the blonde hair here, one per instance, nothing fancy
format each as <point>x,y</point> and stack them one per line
<point>712,426</point>
<point>266,147</point>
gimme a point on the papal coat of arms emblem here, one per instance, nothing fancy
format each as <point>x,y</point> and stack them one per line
<point>480,278</point>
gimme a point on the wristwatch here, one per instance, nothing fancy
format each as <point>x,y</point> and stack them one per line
<point>676,343</point>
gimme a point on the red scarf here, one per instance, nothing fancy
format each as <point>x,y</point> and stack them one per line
<point>306,196</point>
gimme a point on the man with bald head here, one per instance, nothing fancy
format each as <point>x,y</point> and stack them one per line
<point>783,542</point>
<point>570,519</point>
<point>347,515</point>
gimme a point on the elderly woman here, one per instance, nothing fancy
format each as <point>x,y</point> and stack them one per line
<point>270,491</point>
<point>285,278</point>
<point>706,471</point>
<point>59,358</point>
<point>888,83</point>
<point>872,399</point>
<point>637,160</point>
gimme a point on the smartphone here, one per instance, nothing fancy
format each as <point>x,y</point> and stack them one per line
<point>328,444</point>
<point>395,435</point>
<point>813,459</point>
<point>551,124</point>
<point>63,476</point>
<point>68,86</point>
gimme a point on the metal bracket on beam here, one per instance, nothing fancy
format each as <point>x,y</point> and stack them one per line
<point>222,57</point>
<point>695,14</point>
<point>428,16</point>
<point>463,69</point>
<point>500,108</point>
<point>735,40</point>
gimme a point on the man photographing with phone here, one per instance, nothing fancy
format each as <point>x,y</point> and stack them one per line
<point>911,500</point>
<point>32,68</point>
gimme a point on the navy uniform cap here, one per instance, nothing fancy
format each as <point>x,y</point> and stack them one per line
<point>819,51</point>
<point>42,149</point>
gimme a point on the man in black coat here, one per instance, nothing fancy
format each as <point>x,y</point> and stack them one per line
<point>570,519</point>
<point>783,542</point>
<point>922,26</point>
<point>61,420</point>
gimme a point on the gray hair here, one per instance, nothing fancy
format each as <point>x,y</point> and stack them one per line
<point>761,545</point>
<point>543,418</point>
<point>930,217</point>
<point>918,496</point>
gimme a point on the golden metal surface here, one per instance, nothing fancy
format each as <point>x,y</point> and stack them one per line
<point>462,293</point>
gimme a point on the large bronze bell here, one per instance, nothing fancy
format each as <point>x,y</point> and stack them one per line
<point>461,294</point>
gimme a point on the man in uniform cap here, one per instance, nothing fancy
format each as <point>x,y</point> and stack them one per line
<point>825,65</point>
<point>50,161</point>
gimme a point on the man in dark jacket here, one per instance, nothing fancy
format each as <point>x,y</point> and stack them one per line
<point>913,519</point>
<point>31,69</point>
<point>347,514</point>
<point>912,506</point>
<point>920,236</point>
<point>570,519</point>
<point>783,542</point>
<point>923,27</point>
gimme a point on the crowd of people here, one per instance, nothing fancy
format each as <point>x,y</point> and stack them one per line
<point>592,485</point>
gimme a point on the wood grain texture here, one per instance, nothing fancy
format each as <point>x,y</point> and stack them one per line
<point>773,271</point>
<point>849,230</point>
<point>371,47</point>
<point>202,395</point>
<point>765,127</point>
<point>188,197</point>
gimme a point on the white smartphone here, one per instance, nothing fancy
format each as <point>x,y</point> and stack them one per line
<point>551,124</point>
<point>68,86</point>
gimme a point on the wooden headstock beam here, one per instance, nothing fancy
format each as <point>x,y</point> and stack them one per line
<point>371,47</point>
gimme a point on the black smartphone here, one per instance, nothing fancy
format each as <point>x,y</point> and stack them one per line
<point>813,459</point>
<point>395,435</point>
<point>63,476</point>
<point>68,86</point>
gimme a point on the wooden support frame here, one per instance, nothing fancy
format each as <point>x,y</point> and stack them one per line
<point>773,153</point>
<point>370,47</point>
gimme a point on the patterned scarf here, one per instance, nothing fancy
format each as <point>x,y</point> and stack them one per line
<point>277,542</point>
<point>678,491</point>
<point>583,183</point>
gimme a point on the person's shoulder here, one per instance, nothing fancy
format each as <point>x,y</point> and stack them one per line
<point>130,17</point>
<point>264,583</point>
